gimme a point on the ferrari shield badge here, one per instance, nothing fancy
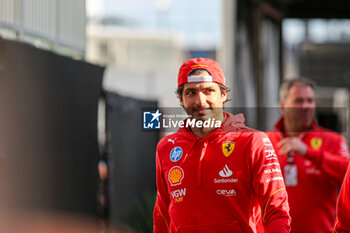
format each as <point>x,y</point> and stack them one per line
<point>227,147</point>
<point>316,143</point>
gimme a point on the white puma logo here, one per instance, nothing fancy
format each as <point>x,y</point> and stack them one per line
<point>173,141</point>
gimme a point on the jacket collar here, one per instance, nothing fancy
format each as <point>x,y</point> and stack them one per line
<point>279,126</point>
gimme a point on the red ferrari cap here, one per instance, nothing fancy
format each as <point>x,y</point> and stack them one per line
<point>213,68</point>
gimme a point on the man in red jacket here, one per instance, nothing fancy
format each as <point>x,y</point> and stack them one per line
<point>313,159</point>
<point>342,224</point>
<point>221,177</point>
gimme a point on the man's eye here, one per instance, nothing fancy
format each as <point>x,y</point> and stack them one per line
<point>209,91</point>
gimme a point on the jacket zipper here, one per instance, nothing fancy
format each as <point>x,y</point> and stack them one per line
<point>200,164</point>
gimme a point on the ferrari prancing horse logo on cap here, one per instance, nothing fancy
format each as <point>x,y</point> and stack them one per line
<point>316,143</point>
<point>227,147</point>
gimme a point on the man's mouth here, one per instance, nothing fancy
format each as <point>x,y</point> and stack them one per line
<point>200,111</point>
<point>306,112</point>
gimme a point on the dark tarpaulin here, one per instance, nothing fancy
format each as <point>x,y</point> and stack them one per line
<point>131,155</point>
<point>48,130</point>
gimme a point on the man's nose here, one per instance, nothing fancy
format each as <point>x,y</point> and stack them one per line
<point>307,104</point>
<point>200,99</point>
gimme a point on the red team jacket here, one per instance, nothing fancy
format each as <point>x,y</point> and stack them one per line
<point>222,183</point>
<point>312,200</point>
<point>343,207</point>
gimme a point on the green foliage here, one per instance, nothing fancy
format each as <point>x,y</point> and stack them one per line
<point>140,215</point>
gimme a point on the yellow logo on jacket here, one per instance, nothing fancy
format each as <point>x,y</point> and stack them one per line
<point>227,147</point>
<point>316,143</point>
<point>175,176</point>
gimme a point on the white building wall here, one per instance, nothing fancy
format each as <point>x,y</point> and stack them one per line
<point>140,63</point>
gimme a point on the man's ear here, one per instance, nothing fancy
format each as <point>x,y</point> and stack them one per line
<point>181,101</point>
<point>282,106</point>
<point>224,96</point>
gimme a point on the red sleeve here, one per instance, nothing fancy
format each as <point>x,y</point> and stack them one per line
<point>269,186</point>
<point>161,217</point>
<point>333,164</point>
<point>342,224</point>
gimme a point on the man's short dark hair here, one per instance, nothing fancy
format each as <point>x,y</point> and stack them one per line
<point>288,83</point>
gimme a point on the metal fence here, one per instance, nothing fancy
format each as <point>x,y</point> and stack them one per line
<point>57,23</point>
